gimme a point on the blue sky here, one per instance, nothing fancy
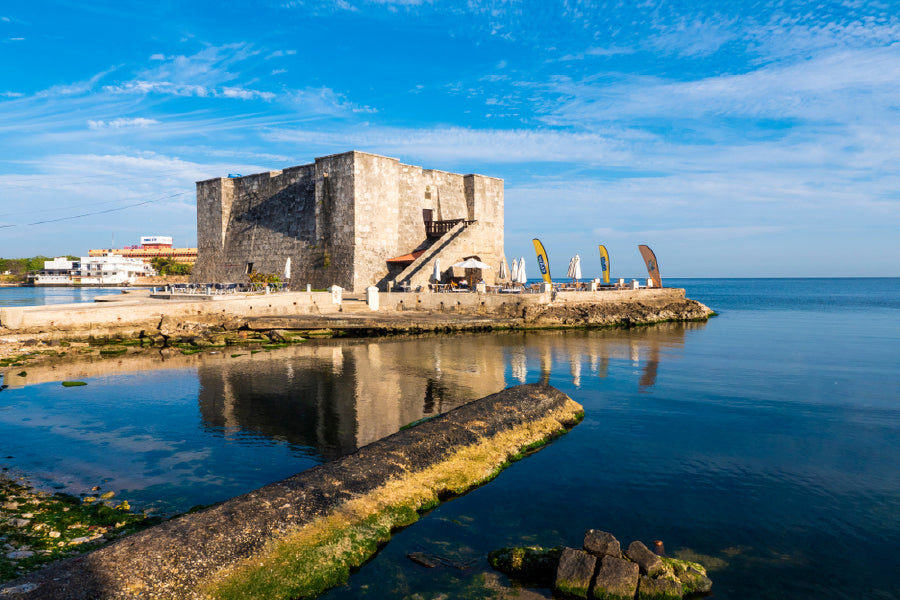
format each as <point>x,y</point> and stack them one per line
<point>734,138</point>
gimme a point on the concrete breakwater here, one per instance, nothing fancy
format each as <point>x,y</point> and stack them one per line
<point>160,318</point>
<point>300,536</point>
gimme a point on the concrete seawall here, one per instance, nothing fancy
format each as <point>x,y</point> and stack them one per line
<point>300,536</point>
<point>396,312</point>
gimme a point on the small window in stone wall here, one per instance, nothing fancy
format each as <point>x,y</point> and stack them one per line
<point>249,268</point>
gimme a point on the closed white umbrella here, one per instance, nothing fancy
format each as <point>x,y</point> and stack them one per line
<point>574,268</point>
<point>514,271</point>
<point>287,268</point>
<point>502,274</point>
<point>523,279</point>
<point>437,270</point>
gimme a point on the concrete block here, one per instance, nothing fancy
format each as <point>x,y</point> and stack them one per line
<point>372,297</point>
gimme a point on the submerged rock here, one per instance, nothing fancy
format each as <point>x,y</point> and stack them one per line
<point>692,575</point>
<point>531,565</point>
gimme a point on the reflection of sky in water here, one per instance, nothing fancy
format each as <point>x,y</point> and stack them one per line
<point>136,433</point>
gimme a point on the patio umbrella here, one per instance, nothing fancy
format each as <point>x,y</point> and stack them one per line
<point>437,270</point>
<point>523,279</point>
<point>574,268</point>
<point>287,268</point>
<point>503,274</point>
<point>514,271</point>
<point>471,263</point>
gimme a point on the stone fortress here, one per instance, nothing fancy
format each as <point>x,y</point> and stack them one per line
<point>353,220</point>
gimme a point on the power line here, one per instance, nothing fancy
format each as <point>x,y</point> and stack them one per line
<point>99,212</point>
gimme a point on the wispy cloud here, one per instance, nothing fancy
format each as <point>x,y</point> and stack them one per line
<point>460,144</point>
<point>122,123</point>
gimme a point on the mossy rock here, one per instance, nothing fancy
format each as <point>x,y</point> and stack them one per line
<point>113,351</point>
<point>73,383</point>
<point>691,575</point>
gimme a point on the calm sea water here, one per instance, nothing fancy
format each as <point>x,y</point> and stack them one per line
<point>37,296</point>
<point>764,442</point>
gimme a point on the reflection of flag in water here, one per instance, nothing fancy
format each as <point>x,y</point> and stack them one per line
<point>652,265</point>
<point>604,263</point>
<point>543,261</point>
<point>519,366</point>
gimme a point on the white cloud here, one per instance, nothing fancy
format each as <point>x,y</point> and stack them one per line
<point>11,94</point>
<point>244,94</point>
<point>280,53</point>
<point>122,123</point>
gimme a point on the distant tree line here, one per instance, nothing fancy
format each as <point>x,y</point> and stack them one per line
<point>167,266</point>
<point>19,267</point>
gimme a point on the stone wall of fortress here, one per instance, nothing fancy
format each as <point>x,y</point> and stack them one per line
<point>339,220</point>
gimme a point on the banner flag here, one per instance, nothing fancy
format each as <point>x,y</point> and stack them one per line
<point>604,263</point>
<point>652,265</point>
<point>543,261</point>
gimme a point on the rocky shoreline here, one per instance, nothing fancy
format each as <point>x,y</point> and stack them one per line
<point>39,527</point>
<point>303,535</point>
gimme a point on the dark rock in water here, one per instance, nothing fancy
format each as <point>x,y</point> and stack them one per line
<point>420,558</point>
<point>600,544</point>
<point>277,335</point>
<point>617,579</point>
<point>575,571</point>
<point>649,562</point>
<point>528,565</point>
<point>658,589</point>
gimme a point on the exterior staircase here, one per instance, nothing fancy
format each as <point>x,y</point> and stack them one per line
<point>427,259</point>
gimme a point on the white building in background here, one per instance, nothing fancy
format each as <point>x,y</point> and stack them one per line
<point>110,269</point>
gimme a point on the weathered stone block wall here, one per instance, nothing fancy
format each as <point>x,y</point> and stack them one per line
<point>214,198</point>
<point>377,217</point>
<point>332,260</point>
<point>270,217</point>
<point>448,194</point>
<point>338,220</point>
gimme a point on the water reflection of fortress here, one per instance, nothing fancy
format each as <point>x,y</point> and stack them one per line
<point>334,396</point>
<point>338,396</point>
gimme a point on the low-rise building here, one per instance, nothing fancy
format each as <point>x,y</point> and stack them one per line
<point>152,246</point>
<point>110,269</point>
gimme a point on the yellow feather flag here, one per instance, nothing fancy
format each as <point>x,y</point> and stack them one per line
<point>604,263</point>
<point>542,260</point>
